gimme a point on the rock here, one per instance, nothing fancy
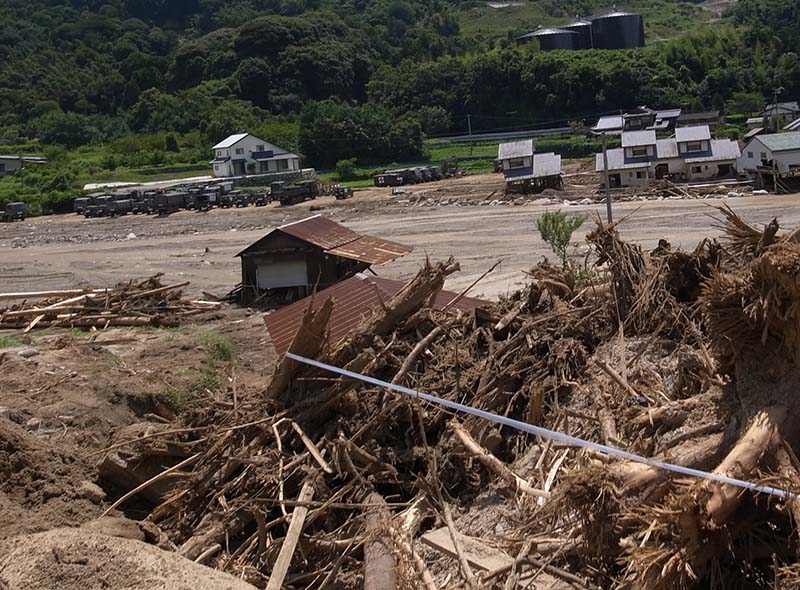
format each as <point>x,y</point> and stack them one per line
<point>91,491</point>
<point>130,236</point>
<point>28,353</point>
<point>12,415</point>
<point>116,526</point>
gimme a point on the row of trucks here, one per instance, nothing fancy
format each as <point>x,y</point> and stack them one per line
<point>402,176</point>
<point>164,202</point>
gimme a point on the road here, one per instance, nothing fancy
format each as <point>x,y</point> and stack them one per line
<point>69,251</point>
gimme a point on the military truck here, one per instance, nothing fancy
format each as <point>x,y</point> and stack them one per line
<point>166,203</point>
<point>388,179</point>
<point>13,212</point>
<point>293,194</point>
<point>240,199</point>
<point>101,206</point>
<point>79,204</point>
<point>260,199</point>
<point>342,192</point>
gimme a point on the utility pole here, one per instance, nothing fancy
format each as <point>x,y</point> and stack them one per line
<point>607,184</point>
<point>469,127</point>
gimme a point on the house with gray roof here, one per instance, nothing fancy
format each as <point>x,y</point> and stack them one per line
<point>242,154</point>
<point>690,155</point>
<point>776,151</point>
<point>526,171</point>
<point>637,119</point>
<point>782,112</point>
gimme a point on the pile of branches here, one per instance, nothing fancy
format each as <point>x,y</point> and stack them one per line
<point>324,482</point>
<point>134,303</point>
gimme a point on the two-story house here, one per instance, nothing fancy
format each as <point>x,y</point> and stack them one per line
<point>690,155</point>
<point>526,171</point>
<point>243,154</point>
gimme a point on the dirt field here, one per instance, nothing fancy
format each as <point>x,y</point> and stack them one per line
<point>438,219</point>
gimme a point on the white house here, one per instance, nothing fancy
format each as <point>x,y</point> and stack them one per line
<point>526,171</point>
<point>781,150</point>
<point>242,154</point>
<point>690,155</point>
<point>13,164</point>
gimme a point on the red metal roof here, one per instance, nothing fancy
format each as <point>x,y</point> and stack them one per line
<point>338,240</point>
<point>371,250</point>
<point>353,301</point>
<point>320,231</point>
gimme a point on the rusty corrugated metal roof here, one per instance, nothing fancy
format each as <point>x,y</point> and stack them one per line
<point>337,240</point>
<point>353,300</point>
<point>320,231</point>
<point>371,250</point>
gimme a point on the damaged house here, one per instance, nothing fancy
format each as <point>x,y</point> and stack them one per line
<point>691,155</point>
<point>526,171</point>
<point>294,259</point>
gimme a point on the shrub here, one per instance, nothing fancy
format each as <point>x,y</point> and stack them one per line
<point>346,169</point>
<point>556,229</point>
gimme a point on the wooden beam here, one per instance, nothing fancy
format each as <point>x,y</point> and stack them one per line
<point>281,567</point>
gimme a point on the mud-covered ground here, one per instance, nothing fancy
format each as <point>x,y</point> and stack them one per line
<point>464,217</point>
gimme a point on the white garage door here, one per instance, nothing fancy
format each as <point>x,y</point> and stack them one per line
<point>282,273</point>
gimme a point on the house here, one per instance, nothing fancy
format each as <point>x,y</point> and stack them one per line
<point>242,154</point>
<point>782,112</point>
<point>13,164</point>
<point>691,154</point>
<point>313,253</point>
<point>755,122</point>
<point>713,119</point>
<point>354,299</point>
<point>638,119</point>
<point>774,152</point>
<point>793,126</point>
<point>526,171</point>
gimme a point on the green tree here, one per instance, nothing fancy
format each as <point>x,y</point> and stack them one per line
<point>556,229</point>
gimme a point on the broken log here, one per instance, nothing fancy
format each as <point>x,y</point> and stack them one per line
<point>494,464</point>
<point>281,567</point>
<point>379,566</point>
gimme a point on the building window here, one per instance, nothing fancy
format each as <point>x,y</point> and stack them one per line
<point>697,169</point>
<point>283,164</point>
<point>639,151</point>
<point>516,163</point>
<point>239,151</point>
<point>694,146</point>
<point>750,155</point>
<point>260,147</point>
<point>216,168</point>
<point>763,155</point>
<point>641,174</point>
<point>2,168</point>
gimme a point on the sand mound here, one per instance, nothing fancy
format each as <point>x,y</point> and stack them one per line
<point>77,559</point>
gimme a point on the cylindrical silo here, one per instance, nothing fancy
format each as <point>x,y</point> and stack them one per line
<point>618,30</point>
<point>550,39</point>
<point>584,30</point>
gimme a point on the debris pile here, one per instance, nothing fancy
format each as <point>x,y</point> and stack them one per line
<point>135,303</point>
<point>688,358</point>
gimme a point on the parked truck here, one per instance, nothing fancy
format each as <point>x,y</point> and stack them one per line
<point>13,212</point>
<point>79,204</point>
<point>166,203</point>
<point>296,193</point>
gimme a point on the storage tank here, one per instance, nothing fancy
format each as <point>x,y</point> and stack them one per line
<point>584,30</point>
<point>618,30</point>
<point>550,39</point>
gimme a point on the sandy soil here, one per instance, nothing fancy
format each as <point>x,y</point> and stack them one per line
<point>67,251</point>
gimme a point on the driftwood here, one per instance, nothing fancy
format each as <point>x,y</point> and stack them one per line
<point>379,566</point>
<point>281,567</point>
<point>146,303</point>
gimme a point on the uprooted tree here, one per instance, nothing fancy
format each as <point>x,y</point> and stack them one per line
<point>285,488</point>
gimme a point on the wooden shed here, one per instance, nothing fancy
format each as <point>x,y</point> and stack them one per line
<point>294,259</point>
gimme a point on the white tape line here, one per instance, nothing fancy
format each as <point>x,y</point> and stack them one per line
<point>549,434</point>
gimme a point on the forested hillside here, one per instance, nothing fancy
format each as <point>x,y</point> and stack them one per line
<point>155,82</point>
